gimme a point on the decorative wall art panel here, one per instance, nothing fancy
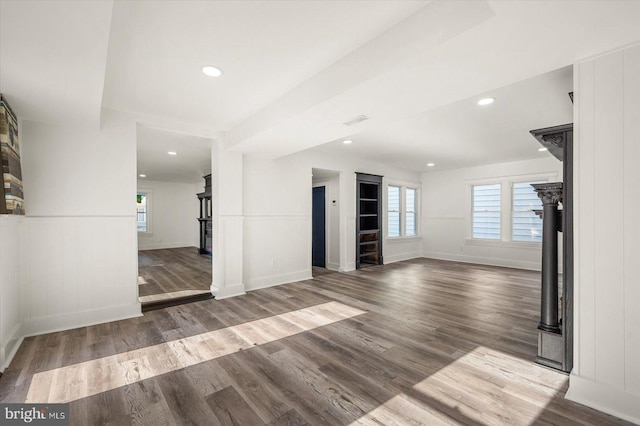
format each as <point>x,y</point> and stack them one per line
<point>13,200</point>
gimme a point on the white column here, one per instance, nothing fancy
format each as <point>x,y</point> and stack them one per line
<point>228,221</point>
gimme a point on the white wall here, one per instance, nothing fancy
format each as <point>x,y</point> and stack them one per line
<point>78,256</point>
<point>277,228</point>
<point>606,373</point>
<point>392,250</point>
<point>447,213</point>
<point>277,207</point>
<point>10,290</point>
<point>174,212</point>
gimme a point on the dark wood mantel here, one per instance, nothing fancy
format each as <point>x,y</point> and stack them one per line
<point>554,139</point>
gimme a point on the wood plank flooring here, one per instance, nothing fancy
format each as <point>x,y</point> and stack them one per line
<point>168,274</point>
<point>417,342</point>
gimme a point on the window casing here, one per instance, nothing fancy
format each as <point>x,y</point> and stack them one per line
<point>402,211</point>
<point>525,224</point>
<point>410,224</point>
<point>486,211</point>
<point>143,212</point>
<point>393,211</point>
<point>507,218</point>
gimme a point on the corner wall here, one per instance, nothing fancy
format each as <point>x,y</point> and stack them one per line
<point>174,211</point>
<point>277,204</point>
<point>277,227</point>
<point>447,213</point>
<point>78,257</point>
<point>606,373</point>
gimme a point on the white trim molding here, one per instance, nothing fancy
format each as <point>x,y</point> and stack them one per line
<point>604,397</point>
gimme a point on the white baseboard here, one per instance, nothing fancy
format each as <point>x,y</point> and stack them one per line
<point>73,320</point>
<point>227,292</point>
<point>160,246</point>
<point>508,263</point>
<point>333,267</point>
<point>8,351</point>
<point>604,397</point>
<point>274,280</point>
<point>401,257</point>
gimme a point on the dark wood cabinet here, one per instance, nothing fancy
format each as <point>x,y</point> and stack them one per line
<point>206,228</point>
<point>368,220</point>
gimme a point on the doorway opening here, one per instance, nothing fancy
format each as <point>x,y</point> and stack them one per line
<point>171,167</point>
<point>325,218</point>
<point>319,234</point>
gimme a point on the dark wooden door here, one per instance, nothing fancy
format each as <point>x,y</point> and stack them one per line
<point>319,238</point>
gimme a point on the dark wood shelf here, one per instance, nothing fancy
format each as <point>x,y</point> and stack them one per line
<point>368,220</point>
<point>368,243</point>
<point>206,236</point>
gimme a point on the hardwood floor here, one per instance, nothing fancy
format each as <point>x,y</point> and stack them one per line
<point>168,274</point>
<point>416,342</point>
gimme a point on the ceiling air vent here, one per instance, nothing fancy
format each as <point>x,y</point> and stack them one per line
<point>355,120</point>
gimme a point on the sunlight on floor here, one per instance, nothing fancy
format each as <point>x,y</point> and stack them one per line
<point>483,386</point>
<point>88,378</point>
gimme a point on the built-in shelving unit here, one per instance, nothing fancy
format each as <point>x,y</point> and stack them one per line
<point>368,220</point>
<point>206,228</point>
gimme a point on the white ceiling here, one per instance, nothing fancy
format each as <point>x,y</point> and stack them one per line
<point>189,166</point>
<point>295,70</point>
<point>265,48</point>
<point>465,134</point>
<point>53,57</point>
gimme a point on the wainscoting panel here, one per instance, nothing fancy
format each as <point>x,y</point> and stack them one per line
<point>77,271</point>
<point>401,249</point>
<point>445,238</point>
<point>277,250</point>
<point>10,291</point>
<point>606,373</point>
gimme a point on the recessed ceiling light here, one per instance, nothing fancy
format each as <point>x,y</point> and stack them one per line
<point>347,142</point>
<point>142,175</point>
<point>212,71</point>
<point>172,153</point>
<point>486,101</point>
<point>430,164</point>
<point>542,149</point>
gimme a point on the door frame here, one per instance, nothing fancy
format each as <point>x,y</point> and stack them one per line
<point>326,222</point>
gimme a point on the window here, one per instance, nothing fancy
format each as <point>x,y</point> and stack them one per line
<point>143,202</point>
<point>486,211</point>
<point>410,222</point>
<point>393,211</point>
<point>526,225</point>
<point>402,211</point>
